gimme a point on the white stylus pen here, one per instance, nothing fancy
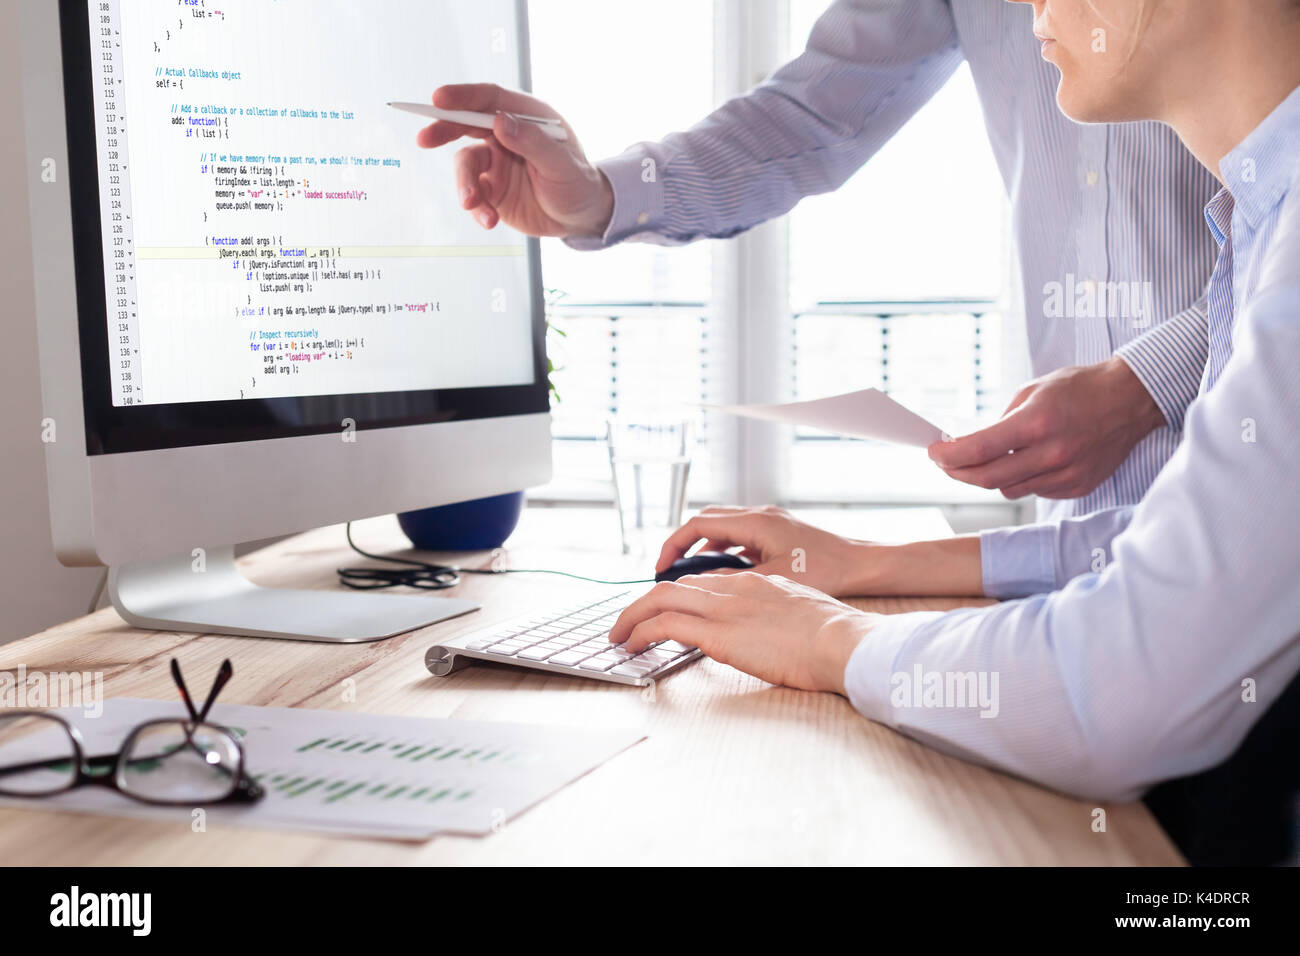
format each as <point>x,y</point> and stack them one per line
<point>551,127</point>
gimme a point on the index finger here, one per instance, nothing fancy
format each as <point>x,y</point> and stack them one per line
<point>441,132</point>
<point>733,529</point>
<point>665,597</point>
<point>490,98</point>
<point>979,448</point>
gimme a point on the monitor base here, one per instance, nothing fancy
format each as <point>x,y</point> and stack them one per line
<point>206,593</point>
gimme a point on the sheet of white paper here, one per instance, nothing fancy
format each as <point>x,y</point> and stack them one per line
<point>869,413</point>
<point>361,774</point>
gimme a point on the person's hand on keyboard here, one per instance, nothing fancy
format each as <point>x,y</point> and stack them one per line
<point>768,626</point>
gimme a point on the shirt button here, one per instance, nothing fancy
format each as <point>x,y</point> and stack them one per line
<point>642,218</point>
<point>1092,177</point>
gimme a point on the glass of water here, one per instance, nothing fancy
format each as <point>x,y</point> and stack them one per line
<point>650,464</point>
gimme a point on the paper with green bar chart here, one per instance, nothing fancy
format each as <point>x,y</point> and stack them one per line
<point>365,774</point>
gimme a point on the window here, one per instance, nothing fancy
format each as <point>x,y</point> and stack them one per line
<point>897,280</point>
<point>629,324</point>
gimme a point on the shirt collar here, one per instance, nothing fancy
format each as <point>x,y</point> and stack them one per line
<point>1218,213</point>
<point>1260,169</point>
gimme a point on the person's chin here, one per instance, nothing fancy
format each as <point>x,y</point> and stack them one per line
<point>1082,108</point>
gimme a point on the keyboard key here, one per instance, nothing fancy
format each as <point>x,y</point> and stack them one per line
<point>567,658</point>
<point>677,646</point>
<point>634,668</point>
<point>601,662</point>
<point>539,653</point>
<point>658,656</point>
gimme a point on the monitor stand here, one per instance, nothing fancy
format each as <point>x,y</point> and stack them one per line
<point>210,596</point>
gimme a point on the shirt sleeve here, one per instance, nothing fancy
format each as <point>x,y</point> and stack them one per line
<point>1031,559</point>
<point>868,67</point>
<point>1169,360</point>
<point>1158,666</point>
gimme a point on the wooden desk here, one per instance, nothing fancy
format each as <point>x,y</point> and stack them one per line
<point>734,771</point>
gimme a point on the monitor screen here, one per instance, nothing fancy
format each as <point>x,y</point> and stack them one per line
<point>269,251</point>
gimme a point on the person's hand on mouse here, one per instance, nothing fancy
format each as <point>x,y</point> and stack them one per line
<point>779,631</point>
<point>777,543</point>
<point>518,175</point>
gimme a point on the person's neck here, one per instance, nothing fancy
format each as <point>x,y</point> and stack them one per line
<point>1233,89</point>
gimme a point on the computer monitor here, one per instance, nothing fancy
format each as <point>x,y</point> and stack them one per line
<point>260,308</point>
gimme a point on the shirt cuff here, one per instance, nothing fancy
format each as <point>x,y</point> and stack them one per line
<point>868,677</point>
<point>634,177</point>
<point>1016,562</point>
<point>1169,361</point>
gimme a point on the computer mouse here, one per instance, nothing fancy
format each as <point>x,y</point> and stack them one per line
<point>702,562</point>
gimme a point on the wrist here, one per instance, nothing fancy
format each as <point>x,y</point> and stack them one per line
<point>838,639</point>
<point>1143,414</point>
<point>946,567</point>
<point>596,222</point>
<point>868,568</point>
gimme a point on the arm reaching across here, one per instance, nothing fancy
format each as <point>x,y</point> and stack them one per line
<point>868,68</point>
<point>780,544</point>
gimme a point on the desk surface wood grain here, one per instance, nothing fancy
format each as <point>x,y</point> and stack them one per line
<point>733,770</point>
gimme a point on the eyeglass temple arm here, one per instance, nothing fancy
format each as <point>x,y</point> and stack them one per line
<point>38,764</point>
<point>223,677</point>
<point>185,694</point>
<point>44,763</point>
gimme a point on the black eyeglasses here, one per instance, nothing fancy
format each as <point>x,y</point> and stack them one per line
<point>168,761</point>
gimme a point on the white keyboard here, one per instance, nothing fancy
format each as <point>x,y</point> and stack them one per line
<point>569,640</point>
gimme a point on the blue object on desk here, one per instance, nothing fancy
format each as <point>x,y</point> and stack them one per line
<point>477,525</point>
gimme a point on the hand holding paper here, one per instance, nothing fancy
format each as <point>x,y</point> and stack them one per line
<point>868,413</point>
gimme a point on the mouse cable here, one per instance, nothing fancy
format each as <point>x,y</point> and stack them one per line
<point>433,577</point>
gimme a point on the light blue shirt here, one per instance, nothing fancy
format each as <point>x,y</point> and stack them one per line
<point>1157,665</point>
<point>1114,205</point>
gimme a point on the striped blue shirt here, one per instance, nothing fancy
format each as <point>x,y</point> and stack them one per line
<point>1154,659</point>
<point>1100,212</point>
